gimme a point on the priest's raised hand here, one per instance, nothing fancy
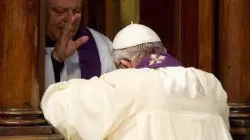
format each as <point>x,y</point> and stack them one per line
<point>73,50</point>
<point>65,45</point>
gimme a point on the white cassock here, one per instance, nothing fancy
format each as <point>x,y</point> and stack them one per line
<point>173,103</point>
<point>71,68</point>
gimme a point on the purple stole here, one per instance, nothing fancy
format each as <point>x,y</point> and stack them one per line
<point>89,60</point>
<point>158,61</point>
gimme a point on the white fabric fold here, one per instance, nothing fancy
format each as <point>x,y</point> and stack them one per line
<point>173,103</point>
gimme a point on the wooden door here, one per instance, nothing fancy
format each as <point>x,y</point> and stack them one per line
<point>232,61</point>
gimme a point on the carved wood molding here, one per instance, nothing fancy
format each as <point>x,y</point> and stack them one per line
<point>18,117</point>
<point>240,120</point>
<point>26,124</point>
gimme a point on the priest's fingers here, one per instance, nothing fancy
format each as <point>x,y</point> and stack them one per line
<point>70,29</point>
<point>75,19</point>
<point>65,46</point>
<point>81,41</point>
<point>61,44</point>
<point>73,45</point>
<point>66,32</point>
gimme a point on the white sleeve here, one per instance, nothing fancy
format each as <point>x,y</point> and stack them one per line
<point>105,49</point>
<point>49,71</point>
<point>213,89</point>
<point>85,109</point>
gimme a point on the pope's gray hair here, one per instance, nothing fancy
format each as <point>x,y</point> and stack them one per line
<point>136,53</point>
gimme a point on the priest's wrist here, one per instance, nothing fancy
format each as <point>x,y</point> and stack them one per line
<point>56,57</point>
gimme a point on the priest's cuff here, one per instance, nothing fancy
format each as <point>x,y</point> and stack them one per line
<point>58,67</point>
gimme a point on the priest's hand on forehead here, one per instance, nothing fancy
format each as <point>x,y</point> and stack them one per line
<point>65,46</point>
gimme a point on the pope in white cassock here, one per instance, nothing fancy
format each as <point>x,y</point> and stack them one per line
<point>150,97</point>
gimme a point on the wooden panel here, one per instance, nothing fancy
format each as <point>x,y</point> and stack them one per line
<point>112,18</point>
<point>233,51</point>
<point>25,130</point>
<point>206,35</point>
<point>186,32</point>
<point>93,14</point>
<point>22,71</point>
<point>177,29</point>
<point>18,117</point>
<point>194,33</point>
<point>109,18</point>
<point>45,137</point>
<point>41,45</point>
<point>185,27</point>
<point>129,12</point>
<point>240,121</point>
<point>194,28</point>
<point>120,13</point>
<point>189,32</point>
<point>232,62</point>
<point>1,47</point>
<point>85,13</point>
<point>159,15</point>
<point>19,53</point>
<point>43,132</point>
<point>25,123</point>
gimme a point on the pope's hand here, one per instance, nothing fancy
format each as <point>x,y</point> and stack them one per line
<point>65,46</point>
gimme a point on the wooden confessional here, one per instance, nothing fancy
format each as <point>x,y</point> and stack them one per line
<point>213,35</point>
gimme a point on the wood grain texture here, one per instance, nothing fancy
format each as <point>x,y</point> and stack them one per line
<point>129,12</point>
<point>21,117</point>
<point>195,26</point>
<point>233,65</point>
<point>25,130</point>
<point>44,137</point>
<point>35,132</point>
<point>85,15</point>
<point>41,47</point>
<point>206,35</point>
<point>240,121</point>
<point>189,32</point>
<point>19,54</point>
<point>93,14</point>
<point>177,29</point>
<point>112,18</point>
<point>22,71</point>
<point>159,15</point>
<point>185,27</point>
<point>109,18</point>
